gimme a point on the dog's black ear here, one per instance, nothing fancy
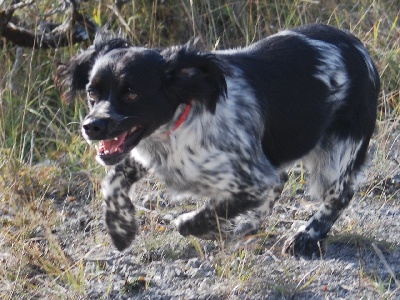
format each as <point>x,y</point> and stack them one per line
<point>194,76</point>
<point>105,41</point>
<point>74,76</point>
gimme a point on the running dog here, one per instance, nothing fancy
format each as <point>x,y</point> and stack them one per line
<point>225,124</point>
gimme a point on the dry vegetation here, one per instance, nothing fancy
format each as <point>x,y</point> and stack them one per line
<point>48,174</point>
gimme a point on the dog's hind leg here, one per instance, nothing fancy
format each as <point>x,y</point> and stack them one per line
<point>119,211</point>
<point>333,178</point>
<point>251,221</point>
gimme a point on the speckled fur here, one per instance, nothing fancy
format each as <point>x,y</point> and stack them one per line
<point>309,93</point>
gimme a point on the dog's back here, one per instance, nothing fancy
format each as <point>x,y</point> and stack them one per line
<point>310,82</point>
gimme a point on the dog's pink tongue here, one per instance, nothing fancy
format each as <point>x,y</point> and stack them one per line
<point>112,146</point>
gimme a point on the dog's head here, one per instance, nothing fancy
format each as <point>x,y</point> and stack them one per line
<point>133,91</point>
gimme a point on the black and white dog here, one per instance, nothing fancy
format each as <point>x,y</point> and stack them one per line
<point>225,124</point>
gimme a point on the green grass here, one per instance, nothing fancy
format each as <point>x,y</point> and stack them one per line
<point>41,148</point>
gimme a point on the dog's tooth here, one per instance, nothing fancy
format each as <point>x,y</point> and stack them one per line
<point>133,129</point>
<point>116,139</point>
<point>99,148</point>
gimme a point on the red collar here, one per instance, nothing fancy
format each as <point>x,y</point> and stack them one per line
<point>182,118</point>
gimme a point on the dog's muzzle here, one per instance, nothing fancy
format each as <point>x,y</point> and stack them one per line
<point>112,146</point>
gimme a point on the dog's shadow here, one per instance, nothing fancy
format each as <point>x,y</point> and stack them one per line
<point>357,247</point>
<point>353,248</point>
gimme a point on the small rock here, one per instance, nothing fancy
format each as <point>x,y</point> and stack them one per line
<point>39,231</point>
<point>205,284</point>
<point>168,218</point>
<point>349,266</point>
<point>193,263</point>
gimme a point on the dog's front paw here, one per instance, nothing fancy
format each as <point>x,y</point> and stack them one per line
<point>302,244</point>
<point>121,227</point>
<point>119,211</point>
<point>120,218</point>
<point>184,224</point>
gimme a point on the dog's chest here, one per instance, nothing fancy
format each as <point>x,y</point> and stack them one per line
<point>205,171</point>
<point>210,154</point>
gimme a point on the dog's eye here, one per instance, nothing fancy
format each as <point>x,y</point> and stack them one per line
<point>130,96</point>
<point>92,95</point>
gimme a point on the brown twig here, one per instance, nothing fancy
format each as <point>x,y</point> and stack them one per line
<point>75,29</point>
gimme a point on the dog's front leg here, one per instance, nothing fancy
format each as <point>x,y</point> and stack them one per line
<point>253,199</point>
<point>119,211</point>
<point>212,220</point>
<point>217,219</point>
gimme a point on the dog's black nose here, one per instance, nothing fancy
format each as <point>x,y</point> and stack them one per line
<point>94,128</point>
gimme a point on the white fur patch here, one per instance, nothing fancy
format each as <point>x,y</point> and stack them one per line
<point>332,70</point>
<point>327,167</point>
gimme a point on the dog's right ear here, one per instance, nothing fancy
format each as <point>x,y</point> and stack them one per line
<point>74,76</point>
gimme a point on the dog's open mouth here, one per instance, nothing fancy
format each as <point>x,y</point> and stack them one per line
<point>113,150</point>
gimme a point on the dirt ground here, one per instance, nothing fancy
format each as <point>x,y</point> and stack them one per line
<point>361,257</point>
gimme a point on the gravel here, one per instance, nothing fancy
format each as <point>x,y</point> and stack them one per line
<point>362,258</point>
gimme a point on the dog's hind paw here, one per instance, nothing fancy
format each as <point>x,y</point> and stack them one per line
<point>302,244</point>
